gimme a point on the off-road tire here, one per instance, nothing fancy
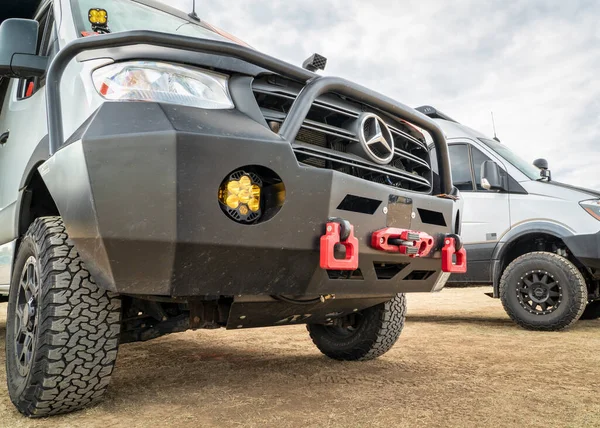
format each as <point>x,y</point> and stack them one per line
<point>591,311</point>
<point>573,291</point>
<point>378,331</point>
<point>77,327</point>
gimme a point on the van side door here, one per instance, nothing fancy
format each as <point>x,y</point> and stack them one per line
<point>486,216</point>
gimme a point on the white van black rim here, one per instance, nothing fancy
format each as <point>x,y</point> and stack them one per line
<point>27,316</point>
<point>539,293</point>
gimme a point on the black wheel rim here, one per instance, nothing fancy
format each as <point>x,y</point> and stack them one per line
<point>26,322</point>
<point>539,292</point>
<point>350,326</point>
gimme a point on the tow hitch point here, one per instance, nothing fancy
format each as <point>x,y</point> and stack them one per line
<point>449,251</point>
<point>339,232</point>
<point>403,241</point>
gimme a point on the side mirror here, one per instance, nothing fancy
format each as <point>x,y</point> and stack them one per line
<point>491,179</point>
<point>18,42</point>
<point>542,164</point>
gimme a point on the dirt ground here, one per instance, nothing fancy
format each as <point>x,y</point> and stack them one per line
<point>459,362</point>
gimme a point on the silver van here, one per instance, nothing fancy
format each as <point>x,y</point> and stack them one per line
<point>535,239</point>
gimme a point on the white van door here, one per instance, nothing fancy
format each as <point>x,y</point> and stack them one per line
<point>486,214</point>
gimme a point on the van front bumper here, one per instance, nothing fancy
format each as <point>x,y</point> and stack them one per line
<point>137,188</point>
<point>586,248</point>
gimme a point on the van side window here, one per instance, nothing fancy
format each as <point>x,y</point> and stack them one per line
<point>460,165</point>
<point>478,159</point>
<point>46,38</point>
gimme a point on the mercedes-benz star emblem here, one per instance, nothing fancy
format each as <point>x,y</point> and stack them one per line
<point>376,139</point>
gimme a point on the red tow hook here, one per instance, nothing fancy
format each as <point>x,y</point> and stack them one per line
<point>403,241</point>
<point>339,231</point>
<point>448,251</point>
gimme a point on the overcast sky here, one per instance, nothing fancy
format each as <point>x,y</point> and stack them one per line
<point>534,63</point>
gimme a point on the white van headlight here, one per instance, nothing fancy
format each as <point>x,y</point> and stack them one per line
<point>592,207</point>
<point>162,82</point>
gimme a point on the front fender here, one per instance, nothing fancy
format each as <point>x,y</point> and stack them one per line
<point>530,227</point>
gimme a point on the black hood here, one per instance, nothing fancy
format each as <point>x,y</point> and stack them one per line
<point>593,193</point>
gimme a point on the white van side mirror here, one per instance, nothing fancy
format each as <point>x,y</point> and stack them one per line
<point>491,178</point>
<point>542,164</point>
<point>18,44</point>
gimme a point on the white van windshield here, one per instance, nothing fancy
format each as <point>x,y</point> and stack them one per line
<point>127,15</point>
<point>532,172</point>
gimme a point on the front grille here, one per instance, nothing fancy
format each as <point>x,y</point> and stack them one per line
<point>329,129</point>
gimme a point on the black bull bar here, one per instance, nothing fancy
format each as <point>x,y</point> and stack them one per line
<point>315,86</point>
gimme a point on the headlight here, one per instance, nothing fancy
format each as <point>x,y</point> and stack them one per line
<point>161,82</point>
<point>592,207</point>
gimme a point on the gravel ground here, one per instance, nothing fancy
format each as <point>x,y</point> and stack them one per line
<point>459,362</point>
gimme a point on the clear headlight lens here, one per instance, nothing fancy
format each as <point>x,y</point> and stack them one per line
<point>162,82</point>
<point>592,207</point>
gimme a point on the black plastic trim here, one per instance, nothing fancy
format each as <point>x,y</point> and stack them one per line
<point>40,154</point>
<point>517,232</point>
<point>479,266</point>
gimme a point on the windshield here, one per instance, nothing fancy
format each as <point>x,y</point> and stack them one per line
<point>525,167</point>
<point>126,15</point>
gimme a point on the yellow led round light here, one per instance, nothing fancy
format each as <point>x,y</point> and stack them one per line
<point>245,196</point>
<point>233,187</point>
<point>254,204</point>
<point>245,182</point>
<point>233,201</point>
<point>240,196</point>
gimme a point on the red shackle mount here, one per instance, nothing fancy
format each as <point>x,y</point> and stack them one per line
<point>448,251</point>
<point>339,232</point>
<point>403,241</point>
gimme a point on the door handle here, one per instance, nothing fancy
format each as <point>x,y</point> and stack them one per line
<point>4,137</point>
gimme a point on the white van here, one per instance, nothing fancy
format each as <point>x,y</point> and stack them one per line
<point>536,240</point>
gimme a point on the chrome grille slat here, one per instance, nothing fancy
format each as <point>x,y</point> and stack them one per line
<point>328,130</point>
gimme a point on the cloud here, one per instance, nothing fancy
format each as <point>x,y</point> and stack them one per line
<point>534,63</point>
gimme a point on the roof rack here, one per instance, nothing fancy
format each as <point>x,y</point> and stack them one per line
<point>434,113</point>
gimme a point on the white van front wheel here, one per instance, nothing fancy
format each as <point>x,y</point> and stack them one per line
<point>543,291</point>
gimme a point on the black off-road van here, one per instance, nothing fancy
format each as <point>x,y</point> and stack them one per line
<point>157,175</point>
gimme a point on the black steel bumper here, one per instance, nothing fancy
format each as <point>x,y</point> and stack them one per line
<point>138,193</point>
<point>137,188</point>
